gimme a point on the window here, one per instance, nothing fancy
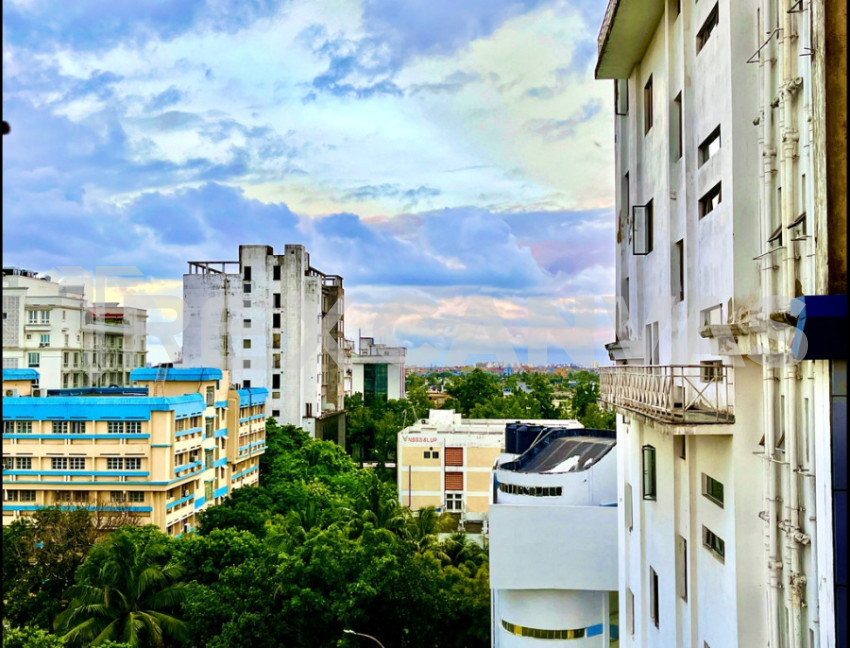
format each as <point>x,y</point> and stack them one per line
<point>621,97</point>
<point>7,463</point>
<point>276,298</point>
<point>78,427</point>
<point>246,288</point>
<point>714,544</point>
<point>246,384</point>
<point>712,489</point>
<point>682,567</point>
<point>8,427</point>
<point>209,458</point>
<point>681,443</point>
<point>23,463</point>
<point>27,495</point>
<point>630,611</point>
<point>133,427</point>
<point>647,106</point>
<point>649,491</point>
<point>116,496</point>
<point>247,273</point>
<point>275,320</point>
<point>711,371</point>
<point>454,502</point>
<point>435,454</point>
<point>652,347</point>
<point>677,270</point>
<point>454,456</point>
<point>77,463</point>
<point>208,489</point>
<point>24,427</point>
<point>642,229</point>
<point>709,202</point>
<point>276,273</point>
<point>33,359</point>
<point>136,496</point>
<point>676,124</point>
<point>32,317</point>
<point>653,596</point>
<point>246,343</point>
<point>114,463</point>
<point>210,396</point>
<point>710,145</point>
<point>246,303</point>
<point>454,481</point>
<point>44,340</point>
<point>275,340</point>
<point>246,364</point>
<point>133,463</point>
<point>275,381</point>
<point>59,463</point>
<point>60,427</point>
<point>427,454</point>
<point>246,323</point>
<point>707,27</point>
<point>627,496</point>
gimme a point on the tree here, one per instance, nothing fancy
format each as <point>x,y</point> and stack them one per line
<point>41,554</point>
<point>470,389</point>
<point>125,591</point>
<point>585,394</point>
<point>28,637</point>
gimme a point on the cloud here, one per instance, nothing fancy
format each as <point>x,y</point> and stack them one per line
<point>558,129</point>
<point>90,25</point>
<point>164,99</point>
<point>452,84</point>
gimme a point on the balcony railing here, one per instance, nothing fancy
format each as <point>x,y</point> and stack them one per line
<point>678,394</point>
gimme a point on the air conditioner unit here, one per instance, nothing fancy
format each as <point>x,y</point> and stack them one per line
<point>10,392</point>
<point>37,393</point>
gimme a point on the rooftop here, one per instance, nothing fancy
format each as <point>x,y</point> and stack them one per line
<point>175,374</point>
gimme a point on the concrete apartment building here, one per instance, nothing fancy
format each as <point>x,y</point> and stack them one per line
<point>446,461</point>
<point>273,320</point>
<point>159,452</point>
<point>50,327</point>
<point>375,370</point>
<point>729,201</point>
<point>553,539</point>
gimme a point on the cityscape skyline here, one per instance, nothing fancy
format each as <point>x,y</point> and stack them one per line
<point>447,171</point>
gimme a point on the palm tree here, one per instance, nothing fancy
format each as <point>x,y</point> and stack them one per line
<point>423,527</point>
<point>124,592</point>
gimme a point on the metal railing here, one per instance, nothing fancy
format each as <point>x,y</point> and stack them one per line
<point>686,394</point>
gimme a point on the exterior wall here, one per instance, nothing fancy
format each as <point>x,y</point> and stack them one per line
<point>750,256</point>
<point>196,442</point>
<point>269,331</point>
<point>54,321</point>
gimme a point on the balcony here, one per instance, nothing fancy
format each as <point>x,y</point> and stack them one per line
<point>675,394</point>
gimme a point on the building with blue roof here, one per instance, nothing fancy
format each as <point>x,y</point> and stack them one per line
<point>161,451</point>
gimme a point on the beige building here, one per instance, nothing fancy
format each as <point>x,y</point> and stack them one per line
<point>446,462</point>
<point>159,452</point>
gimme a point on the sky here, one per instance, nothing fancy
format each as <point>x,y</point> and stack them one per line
<point>453,161</point>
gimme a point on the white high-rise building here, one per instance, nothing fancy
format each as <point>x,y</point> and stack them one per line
<point>725,260</point>
<point>50,327</point>
<point>275,321</point>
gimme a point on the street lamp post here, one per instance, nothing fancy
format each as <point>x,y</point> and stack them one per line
<point>360,634</point>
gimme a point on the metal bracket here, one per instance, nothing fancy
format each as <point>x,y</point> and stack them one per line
<point>753,58</point>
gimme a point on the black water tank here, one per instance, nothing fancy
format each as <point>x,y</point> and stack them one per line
<point>526,434</point>
<point>510,437</point>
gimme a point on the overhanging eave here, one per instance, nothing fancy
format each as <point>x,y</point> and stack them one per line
<point>625,34</point>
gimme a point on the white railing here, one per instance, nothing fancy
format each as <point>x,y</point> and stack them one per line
<point>688,394</point>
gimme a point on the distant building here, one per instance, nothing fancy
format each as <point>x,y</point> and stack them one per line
<point>50,327</point>
<point>731,326</point>
<point>553,538</point>
<point>272,319</point>
<point>445,461</point>
<point>377,370</point>
<point>158,452</point>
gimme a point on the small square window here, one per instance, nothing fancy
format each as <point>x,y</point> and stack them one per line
<point>136,496</point>
<point>133,427</point>
<point>24,427</point>
<point>59,463</point>
<point>133,463</point>
<point>77,463</point>
<point>246,343</point>
<point>707,28</point>
<point>713,490</point>
<point>246,364</point>
<point>114,463</point>
<point>23,463</point>
<point>710,201</point>
<point>246,323</point>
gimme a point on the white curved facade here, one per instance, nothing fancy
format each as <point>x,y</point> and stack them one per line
<point>553,545</point>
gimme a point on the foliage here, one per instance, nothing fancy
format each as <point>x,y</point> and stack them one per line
<point>126,590</point>
<point>472,388</point>
<point>29,637</point>
<point>41,554</point>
